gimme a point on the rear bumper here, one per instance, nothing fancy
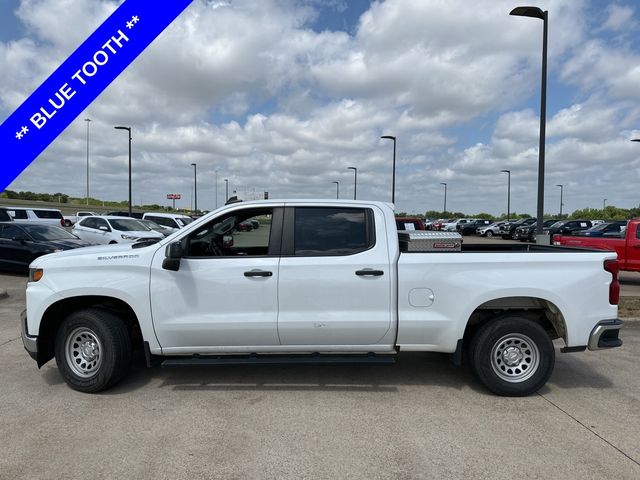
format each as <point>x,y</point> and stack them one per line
<point>605,335</point>
<point>30,343</point>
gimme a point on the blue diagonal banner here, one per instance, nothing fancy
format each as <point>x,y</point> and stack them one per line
<point>79,80</point>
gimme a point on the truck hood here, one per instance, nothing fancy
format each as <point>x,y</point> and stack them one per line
<point>95,252</point>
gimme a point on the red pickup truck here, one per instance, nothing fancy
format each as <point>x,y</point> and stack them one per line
<point>626,246</point>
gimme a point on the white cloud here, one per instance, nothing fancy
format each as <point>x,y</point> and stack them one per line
<point>250,90</point>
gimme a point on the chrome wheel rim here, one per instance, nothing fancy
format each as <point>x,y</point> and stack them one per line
<point>515,358</point>
<point>83,352</point>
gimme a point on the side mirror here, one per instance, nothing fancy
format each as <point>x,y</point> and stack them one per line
<point>173,253</point>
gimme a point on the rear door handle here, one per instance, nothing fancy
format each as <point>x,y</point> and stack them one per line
<point>368,272</point>
<point>258,273</point>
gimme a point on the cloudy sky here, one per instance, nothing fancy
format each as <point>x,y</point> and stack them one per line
<point>283,95</point>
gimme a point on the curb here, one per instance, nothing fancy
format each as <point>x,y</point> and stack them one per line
<point>3,293</point>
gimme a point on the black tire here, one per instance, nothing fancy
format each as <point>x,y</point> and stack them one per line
<point>489,234</point>
<point>520,340</point>
<point>67,223</point>
<point>102,367</point>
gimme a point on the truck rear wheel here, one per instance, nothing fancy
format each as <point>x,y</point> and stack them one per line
<point>93,350</point>
<point>512,356</point>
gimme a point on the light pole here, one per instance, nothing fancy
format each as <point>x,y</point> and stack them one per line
<point>508,172</point>
<point>604,204</point>
<point>355,181</point>
<point>337,189</point>
<point>561,189</point>
<point>195,188</point>
<point>445,196</point>
<point>536,12</point>
<point>216,188</point>
<point>128,129</point>
<point>87,120</point>
<point>226,190</point>
<point>393,179</point>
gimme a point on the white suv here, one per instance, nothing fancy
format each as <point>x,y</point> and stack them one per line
<point>170,220</point>
<point>104,230</point>
<point>48,216</point>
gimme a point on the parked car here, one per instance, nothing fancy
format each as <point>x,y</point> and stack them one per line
<point>470,228</point>
<point>616,228</point>
<point>177,300</point>
<point>70,220</point>
<point>172,220</point>
<point>21,243</point>
<point>453,225</point>
<point>527,233</point>
<point>626,245</point>
<point>568,227</point>
<point>439,224</point>
<point>48,216</point>
<point>165,231</point>
<point>508,230</point>
<point>409,223</point>
<point>490,230</point>
<point>103,230</point>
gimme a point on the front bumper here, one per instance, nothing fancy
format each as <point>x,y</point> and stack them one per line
<point>605,335</point>
<point>30,343</point>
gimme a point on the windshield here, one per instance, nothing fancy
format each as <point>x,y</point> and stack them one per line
<point>128,225</point>
<point>153,225</point>
<point>557,225</point>
<point>43,233</point>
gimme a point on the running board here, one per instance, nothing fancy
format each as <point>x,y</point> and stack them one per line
<point>277,360</point>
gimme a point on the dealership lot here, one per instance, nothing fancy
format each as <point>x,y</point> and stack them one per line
<point>419,418</point>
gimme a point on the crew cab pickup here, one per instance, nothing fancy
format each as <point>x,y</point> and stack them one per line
<point>626,245</point>
<point>319,281</point>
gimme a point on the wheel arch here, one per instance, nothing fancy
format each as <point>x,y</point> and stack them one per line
<point>539,310</point>
<point>58,311</point>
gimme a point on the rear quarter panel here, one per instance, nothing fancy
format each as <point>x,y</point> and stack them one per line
<point>575,282</point>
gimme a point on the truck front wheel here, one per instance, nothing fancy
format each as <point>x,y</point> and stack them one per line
<point>93,350</point>
<point>512,356</point>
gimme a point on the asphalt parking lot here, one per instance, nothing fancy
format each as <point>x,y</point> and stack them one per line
<point>420,418</point>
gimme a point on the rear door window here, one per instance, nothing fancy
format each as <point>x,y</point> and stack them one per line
<point>332,231</point>
<point>19,214</point>
<point>48,214</point>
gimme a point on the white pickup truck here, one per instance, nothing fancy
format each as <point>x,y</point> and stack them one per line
<point>319,281</point>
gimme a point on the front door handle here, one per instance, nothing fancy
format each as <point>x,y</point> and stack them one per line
<point>368,272</point>
<point>258,273</point>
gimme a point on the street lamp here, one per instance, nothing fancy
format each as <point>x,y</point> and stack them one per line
<point>561,189</point>
<point>535,12</point>
<point>128,129</point>
<point>355,180</point>
<point>195,188</point>
<point>87,120</point>
<point>445,196</point>
<point>226,190</point>
<point>393,180</point>
<point>604,204</point>
<point>337,189</point>
<point>508,172</point>
<point>216,172</point>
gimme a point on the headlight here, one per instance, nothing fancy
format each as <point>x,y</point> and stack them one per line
<point>128,237</point>
<point>35,274</point>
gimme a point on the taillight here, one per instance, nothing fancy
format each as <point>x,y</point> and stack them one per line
<point>62,222</point>
<point>613,267</point>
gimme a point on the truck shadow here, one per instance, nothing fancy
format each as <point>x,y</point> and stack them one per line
<point>411,369</point>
